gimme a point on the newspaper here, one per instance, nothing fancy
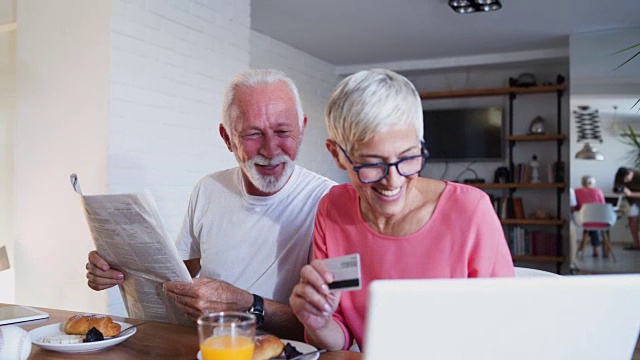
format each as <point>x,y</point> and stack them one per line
<point>128,233</point>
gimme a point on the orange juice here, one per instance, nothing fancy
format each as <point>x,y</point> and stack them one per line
<point>227,348</point>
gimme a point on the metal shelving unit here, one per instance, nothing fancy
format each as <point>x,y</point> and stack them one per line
<point>512,139</point>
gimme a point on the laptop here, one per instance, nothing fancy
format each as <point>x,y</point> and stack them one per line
<point>576,317</point>
<point>615,201</point>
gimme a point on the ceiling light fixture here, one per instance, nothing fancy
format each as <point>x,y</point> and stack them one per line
<point>472,6</point>
<point>589,152</point>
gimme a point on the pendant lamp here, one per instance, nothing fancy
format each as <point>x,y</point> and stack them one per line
<point>589,152</point>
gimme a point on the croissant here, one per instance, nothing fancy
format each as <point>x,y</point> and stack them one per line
<point>80,324</point>
<point>267,347</point>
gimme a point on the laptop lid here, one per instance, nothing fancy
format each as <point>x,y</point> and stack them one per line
<point>615,201</point>
<point>577,317</point>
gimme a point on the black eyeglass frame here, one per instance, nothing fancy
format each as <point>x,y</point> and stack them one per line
<point>424,154</point>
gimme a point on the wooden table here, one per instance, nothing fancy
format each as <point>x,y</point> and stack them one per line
<point>151,341</point>
<point>155,341</point>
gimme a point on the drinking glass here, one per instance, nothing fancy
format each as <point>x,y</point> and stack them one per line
<point>227,335</point>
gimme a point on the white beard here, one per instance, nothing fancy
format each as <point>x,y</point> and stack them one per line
<point>268,184</point>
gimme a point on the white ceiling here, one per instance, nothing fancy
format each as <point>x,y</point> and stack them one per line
<point>353,32</point>
<point>415,34</point>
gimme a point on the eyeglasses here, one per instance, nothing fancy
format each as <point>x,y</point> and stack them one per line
<point>370,173</point>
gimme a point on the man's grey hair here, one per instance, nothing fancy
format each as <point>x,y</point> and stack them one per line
<point>588,181</point>
<point>369,102</point>
<point>251,79</point>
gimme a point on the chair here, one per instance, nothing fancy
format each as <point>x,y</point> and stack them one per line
<point>527,272</point>
<point>596,217</point>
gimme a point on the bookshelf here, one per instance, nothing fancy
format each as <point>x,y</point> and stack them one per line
<point>520,186</point>
<point>530,225</point>
<point>542,222</point>
<point>492,92</point>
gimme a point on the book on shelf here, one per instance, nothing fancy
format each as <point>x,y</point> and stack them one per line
<point>551,173</point>
<point>506,208</point>
<point>519,241</point>
<point>518,208</point>
<point>525,173</point>
<point>522,173</point>
<point>544,243</point>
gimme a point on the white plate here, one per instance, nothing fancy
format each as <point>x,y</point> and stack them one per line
<point>300,346</point>
<point>37,334</point>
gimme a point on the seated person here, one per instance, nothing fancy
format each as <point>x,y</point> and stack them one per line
<point>247,229</point>
<point>590,194</point>
<point>627,181</point>
<point>403,226</point>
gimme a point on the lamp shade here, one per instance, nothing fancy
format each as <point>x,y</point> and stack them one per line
<point>4,259</point>
<point>589,152</point>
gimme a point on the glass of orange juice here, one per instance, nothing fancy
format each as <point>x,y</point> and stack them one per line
<point>227,335</point>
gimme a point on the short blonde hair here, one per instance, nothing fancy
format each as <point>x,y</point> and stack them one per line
<point>251,79</point>
<point>369,102</point>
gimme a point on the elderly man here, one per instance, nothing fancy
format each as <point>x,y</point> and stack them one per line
<point>247,230</point>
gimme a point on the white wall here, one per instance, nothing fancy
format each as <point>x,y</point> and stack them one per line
<point>7,122</point>
<point>7,11</point>
<point>315,80</point>
<point>62,79</point>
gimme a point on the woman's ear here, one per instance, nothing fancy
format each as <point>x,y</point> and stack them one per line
<point>335,152</point>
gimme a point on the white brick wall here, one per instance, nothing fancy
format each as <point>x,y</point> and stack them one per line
<point>171,61</point>
<point>315,80</point>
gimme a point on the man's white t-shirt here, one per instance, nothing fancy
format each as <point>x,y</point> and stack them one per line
<point>256,243</point>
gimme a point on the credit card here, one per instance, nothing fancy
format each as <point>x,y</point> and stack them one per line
<point>346,272</point>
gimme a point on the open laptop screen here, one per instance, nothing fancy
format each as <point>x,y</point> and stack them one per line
<point>615,201</point>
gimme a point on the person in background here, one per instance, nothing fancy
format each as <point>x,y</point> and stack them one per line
<point>627,181</point>
<point>403,226</point>
<point>247,230</point>
<point>590,194</point>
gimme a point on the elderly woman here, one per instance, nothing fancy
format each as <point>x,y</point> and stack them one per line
<point>590,194</point>
<point>402,225</point>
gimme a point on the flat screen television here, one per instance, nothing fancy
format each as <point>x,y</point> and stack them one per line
<point>459,135</point>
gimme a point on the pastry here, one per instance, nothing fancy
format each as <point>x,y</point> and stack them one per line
<point>267,347</point>
<point>81,324</point>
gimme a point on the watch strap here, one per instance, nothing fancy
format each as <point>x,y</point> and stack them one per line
<point>257,309</point>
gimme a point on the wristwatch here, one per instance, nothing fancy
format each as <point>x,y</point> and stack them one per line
<point>257,309</point>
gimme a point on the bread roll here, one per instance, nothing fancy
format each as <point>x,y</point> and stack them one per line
<point>80,324</point>
<point>267,347</point>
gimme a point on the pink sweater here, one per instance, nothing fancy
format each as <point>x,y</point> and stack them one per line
<point>588,196</point>
<point>462,239</point>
